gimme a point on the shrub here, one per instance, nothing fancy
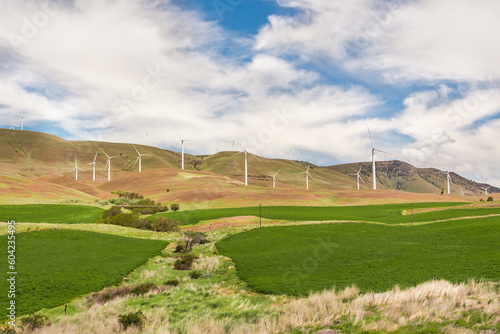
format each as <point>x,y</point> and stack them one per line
<point>143,288</point>
<point>174,207</point>
<point>185,262</point>
<point>481,200</point>
<point>122,219</point>
<point>490,199</point>
<point>180,248</point>
<point>8,330</point>
<point>193,238</point>
<point>195,274</point>
<point>163,224</point>
<point>113,211</point>
<point>172,282</point>
<point>33,321</point>
<point>109,294</point>
<point>136,319</point>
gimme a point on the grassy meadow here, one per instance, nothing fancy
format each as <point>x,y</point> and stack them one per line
<point>296,260</point>
<point>386,213</point>
<point>50,213</point>
<point>55,266</point>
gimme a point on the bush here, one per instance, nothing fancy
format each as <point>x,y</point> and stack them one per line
<point>180,248</point>
<point>481,200</point>
<point>162,224</point>
<point>172,282</point>
<point>33,321</point>
<point>109,294</point>
<point>136,319</point>
<point>113,211</point>
<point>174,207</point>
<point>143,288</point>
<point>193,238</point>
<point>490,199</point>
<point>185,262</point>
<point>195,274</point>
<point>122,219</point>
<point>8,330</point>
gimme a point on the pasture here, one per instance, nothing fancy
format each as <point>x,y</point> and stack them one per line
<point>387,213</point>
<point>296,260</point>
<point>50,213</point>
<point>55,266</point>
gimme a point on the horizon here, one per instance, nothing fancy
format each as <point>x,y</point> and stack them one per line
<point>274,76</point>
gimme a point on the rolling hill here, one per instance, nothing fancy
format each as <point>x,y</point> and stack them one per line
<point>37,166</point>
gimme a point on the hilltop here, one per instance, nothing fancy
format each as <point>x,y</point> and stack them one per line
<point>38,163</point>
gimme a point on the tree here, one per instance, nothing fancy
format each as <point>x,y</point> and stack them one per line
<point>174,207</point>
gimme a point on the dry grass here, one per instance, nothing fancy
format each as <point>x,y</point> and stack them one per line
<point>435,301</point>
<point>208,264</point>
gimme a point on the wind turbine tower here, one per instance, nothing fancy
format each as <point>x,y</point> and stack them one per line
<point>374,171</point>
<point>448,178</point>
<point>358,176</point>
<point>76,170</point>
<point>274,178</point>
<point>108,164</point>
<point>139,158</point>
<point>22,120</point>
<point>182,148</point>
<point>307,176</point>
<point>93,166</point>
<point>246,163</point>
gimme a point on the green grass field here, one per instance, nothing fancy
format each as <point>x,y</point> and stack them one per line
<point>55,266</point>
<point>50,213</point>
<point>389,213</point>
<point>298,259</point>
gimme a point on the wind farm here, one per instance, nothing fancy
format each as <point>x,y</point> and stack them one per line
<point>249,167</point>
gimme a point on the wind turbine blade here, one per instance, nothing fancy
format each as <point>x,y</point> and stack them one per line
<point>178,134</point>
<point>95,157</point>
<point>105,153</point>
<point>135,163</point>
<point>360,168</point>
<point>135,148</point>
<point>370,134</point>
<point>362,180</point>
<point>253,155</point>
<point>238,153</point>
<point>276,173</point>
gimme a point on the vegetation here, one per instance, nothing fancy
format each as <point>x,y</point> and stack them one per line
<point>174,207</point>
<point>135,319</point>
<point>59,265</point>
<point>116,216</point>
<point>33,321</point>
<point>50,213</point>
<point>295,260</point>
<point>185,262</point>
<point>388,213</point>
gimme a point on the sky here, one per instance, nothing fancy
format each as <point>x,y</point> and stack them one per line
<point>281,78</point>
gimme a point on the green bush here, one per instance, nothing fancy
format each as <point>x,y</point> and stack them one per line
<point>136,319</point>
<point>163,224</point>
<point>8,330</point>
<point>490,199</point>
<point>143,288</point>
<point>33,321</point>
<point>113,211</point>
<point>180,248</point>
<point>191,239</point>
<point>172,282</point>
<point>174,207</point>
<point>195,274</point>
<point>185,262</point>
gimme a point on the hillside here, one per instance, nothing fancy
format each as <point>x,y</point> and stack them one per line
<point>43,161</point>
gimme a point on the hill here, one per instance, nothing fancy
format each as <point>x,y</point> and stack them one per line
<point>39,166</point>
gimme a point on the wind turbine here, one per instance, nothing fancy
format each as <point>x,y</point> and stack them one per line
<point>76,170</point>
<point>374,172</point>
<point>93,166</point>
<point>274,178</point>
<point>462,191</point>
<point>182,147</point>
<point>139,158</point>
<point>448,179</point>
<point>147,137</point>
<point>246,163</point>
<point>307,176</point>
<point>22,120</point>
<point>108,164</point>
<point>485,189</point>
<point>13,126</point>
<point>358,176</point>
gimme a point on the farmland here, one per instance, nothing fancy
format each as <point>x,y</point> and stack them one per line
<point>389,213</point>
<point>55,266</point>
<point>50,213</point>
<point>298,259</point>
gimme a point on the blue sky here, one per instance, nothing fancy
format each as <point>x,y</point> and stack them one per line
<point>274,75</point>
